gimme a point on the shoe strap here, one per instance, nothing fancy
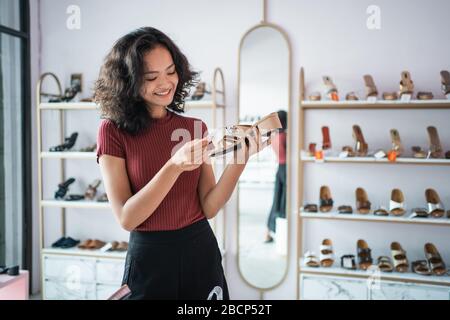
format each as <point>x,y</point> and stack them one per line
<point>396,205</point>
<point>434,206</point>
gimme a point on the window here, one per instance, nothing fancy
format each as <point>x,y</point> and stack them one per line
<point>15,137</point>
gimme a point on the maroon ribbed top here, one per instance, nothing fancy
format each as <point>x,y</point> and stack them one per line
<point>146,153</point>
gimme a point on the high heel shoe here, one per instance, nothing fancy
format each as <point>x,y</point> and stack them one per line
<point>63,188</point>
<point>69,143</point>
<point>396,142</point>
<point>236,135</point>
<point>91,191</point>
<point>361,147</point>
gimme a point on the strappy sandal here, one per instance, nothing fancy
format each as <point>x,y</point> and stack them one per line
<point>326,141</point>
<point>364,255</point>
<point>326,201</point>
<point>384,264</point>
<point>345,209</point>
<point>312,149</point>
<point>326,253</point>
<point>399,257</point>
<point>91,191</point>
<point>371,89</point>
<point>236,135</point>
<point>445,82</point>
<point>67,145</point>
<point>310,260</point>
<point>406,84</point>
<point>389,96</point>
<point>418,152</point>
<point>348,151</point>
<point>435,143</point>
<point>85,244</point>
<point>435,206</point>
<point>348,262</point>
<point>315,96</point>
<point>330,88</point>
<point>397,203</point>
<point>435,262</point>
<point>361,147</point>
<point>362,201</point>
<point>103,198</point>
<point>421,267</point>
<point>63,187</point>
<point>381,212</point>
<point>95,244</point>
<point>396,142</point>
<point>310,208</point>
<point>351,96</point>
<point>425,95</point>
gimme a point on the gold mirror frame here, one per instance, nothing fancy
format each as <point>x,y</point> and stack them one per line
<point>264,24</point>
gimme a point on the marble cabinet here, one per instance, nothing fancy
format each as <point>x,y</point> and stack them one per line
<point>80,278</point>
<point>328,287</point>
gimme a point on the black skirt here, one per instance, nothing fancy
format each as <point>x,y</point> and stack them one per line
<point>179,264</point>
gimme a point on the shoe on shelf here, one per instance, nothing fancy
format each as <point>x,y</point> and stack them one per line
<point>424,95</point>
<point>435,206</point>
<point>74,197</point>
<point>435,262</point>
<point>103,198</point>
<point>69,243</point>
<point>326,141</point>
<point>419,213</point>
<point>345,209</point>
<point>310,259</point>
<point>445,82</point>
<point>421,267</point>
<point>371,89</point>
<point>435,143</point>
<point>330,88</point>
<point>406,84</point>
<point>418,152</point>
<point>91,191</point>
<point>362,201</point>
<point>351,96</point>
<point>385,264</point>
<point>59,242</point>
<point>390,96</point>
<point>381,212</point>
<point>91,244</point>
<point>396,142</point>
<point>397,203</point>
<point>361,147</point>
<point>326,253</point>
<point>364,254</point>
<point>399,257</point>
<point>315,96</point>
<point>63,188</point>
<point>310,208</point>
<point>67,145</point>
<point>326,201</point>
<point>90,148</point>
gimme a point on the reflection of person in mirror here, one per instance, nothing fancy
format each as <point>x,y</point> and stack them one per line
<point>278,209</point>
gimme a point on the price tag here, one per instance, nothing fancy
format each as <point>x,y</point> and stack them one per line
<point>380,154</point>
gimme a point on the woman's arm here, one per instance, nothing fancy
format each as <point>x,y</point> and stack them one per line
<point>132,210</point>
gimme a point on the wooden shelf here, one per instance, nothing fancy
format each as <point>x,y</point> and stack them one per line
<point>200,104</point>
<point>393,276</point>
<point>372,218</point>
<point>85,252</point>
<point>68,155</point>
<point>69,106</point>
<point>81,204</point>
<point>336,159</point>
<point>380,104</point>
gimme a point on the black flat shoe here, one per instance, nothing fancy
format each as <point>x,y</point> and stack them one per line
<point>69,243</point>
<point>58,243</point>
<point>63,188</point>
<point>74,197</point>
<point>11,271</point>
<point>68,143</point>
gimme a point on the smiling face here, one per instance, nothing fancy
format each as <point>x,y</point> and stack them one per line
<point>160,78</point>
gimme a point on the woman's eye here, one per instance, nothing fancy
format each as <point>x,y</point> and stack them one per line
<point>172,72</point>
<point>153,79</point>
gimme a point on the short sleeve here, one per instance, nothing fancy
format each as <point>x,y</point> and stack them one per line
<point>109,140</point>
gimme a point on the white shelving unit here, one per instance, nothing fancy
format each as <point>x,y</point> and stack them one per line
<point>335,273</point>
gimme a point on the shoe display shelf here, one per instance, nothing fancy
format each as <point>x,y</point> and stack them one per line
<point>340,283</point>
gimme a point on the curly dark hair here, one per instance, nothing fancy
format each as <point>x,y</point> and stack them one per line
<point>117,90</point>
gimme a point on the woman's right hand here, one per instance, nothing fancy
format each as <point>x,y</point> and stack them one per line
<point>191,155</point>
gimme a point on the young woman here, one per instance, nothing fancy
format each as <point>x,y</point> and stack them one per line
<point>156,171</point>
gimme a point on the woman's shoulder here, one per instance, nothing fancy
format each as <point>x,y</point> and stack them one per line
<point>108,127</point>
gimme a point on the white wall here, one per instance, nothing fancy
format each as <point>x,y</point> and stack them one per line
<point>327,37</point>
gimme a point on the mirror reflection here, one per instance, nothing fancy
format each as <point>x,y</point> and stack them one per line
<point>262,224</point>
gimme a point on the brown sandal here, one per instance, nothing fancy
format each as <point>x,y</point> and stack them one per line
<point>435,143</point>
<point>399,257</point>
<point>361,147</point>
<point>326,201</point>
<point>330,88</point>
<point>351,96</point>
<point>425,95</point>
<point>406,84</point>
<point>310,208</point>
<point>371,89</point>
<point>397,203</point>
<point>364,255</point>
<point>396,142</point>
<point>315,96</point>
<point>362,201</point>
<point>91,191</point>
<point>435,262</point>
<point>435,207</point>
<point>421,267</point>
<point>385,264</point>
<point>390,96</point>
<point>345,209</point>
<point>418,152</point>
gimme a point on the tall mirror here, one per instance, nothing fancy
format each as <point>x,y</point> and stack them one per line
<point>263,188</point>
